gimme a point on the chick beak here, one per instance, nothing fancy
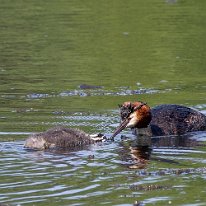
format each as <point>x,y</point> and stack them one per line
<point>122,126</point>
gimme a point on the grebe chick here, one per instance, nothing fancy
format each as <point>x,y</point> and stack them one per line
<point>62,138</point>
<point>162,120</point>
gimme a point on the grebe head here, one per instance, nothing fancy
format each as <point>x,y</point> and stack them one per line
<point>133,115</point>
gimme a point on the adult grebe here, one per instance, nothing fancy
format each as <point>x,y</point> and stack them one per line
<point>165,119</point>
<point>61,138</point>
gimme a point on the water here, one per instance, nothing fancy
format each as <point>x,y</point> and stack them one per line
<point>151,50</point>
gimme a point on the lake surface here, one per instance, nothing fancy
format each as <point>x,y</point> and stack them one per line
<point>71,63</point>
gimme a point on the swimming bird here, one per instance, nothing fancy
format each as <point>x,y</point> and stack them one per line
<point>162,120</point>
<point>61,138</point>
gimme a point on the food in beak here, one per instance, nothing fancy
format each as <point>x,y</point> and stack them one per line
<point>120,127</point>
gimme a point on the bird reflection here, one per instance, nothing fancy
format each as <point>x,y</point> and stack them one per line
<point>136,153</point>
<point>140,156</point>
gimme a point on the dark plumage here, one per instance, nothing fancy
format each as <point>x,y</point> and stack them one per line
<point>171,119</point>
<point>60,137</point>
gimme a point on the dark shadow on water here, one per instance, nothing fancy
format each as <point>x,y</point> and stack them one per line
<point>187,140</point>
<point>136,153</point>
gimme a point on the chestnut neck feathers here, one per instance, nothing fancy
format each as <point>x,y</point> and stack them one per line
<point>138,113</point>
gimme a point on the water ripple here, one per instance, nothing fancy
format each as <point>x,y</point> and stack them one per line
<point>29,177</point>
<point>121,91</point>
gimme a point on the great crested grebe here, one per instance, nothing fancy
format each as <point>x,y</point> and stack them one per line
<point>61,138</point>
<point>162,120</point>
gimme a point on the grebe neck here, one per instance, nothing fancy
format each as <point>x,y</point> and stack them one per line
<point>147,131</point>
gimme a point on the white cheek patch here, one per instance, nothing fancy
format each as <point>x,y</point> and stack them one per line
<point>131,123</point>
<point>133,120</point>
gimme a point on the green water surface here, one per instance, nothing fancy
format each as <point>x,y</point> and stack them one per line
<point>149,50</point>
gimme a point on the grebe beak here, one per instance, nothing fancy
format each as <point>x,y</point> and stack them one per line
<point>122,126</point>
